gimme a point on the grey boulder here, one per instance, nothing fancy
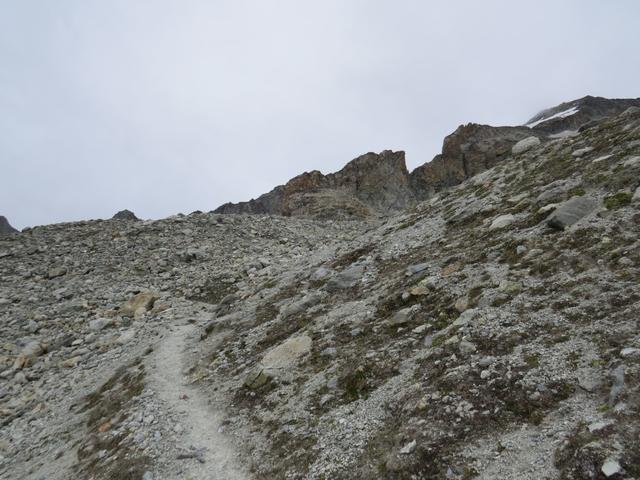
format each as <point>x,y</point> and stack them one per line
<point>571,212</point>
<point>346,279</point>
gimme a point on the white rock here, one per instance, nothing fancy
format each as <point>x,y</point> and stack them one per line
<point>524,145</point>
<point>632,162</point>
<point>611,467</point>
<point>629,352</point>
<point>502,221</point>
<point>410,448</point>
<point>597,426</point>
<point>582,151</point>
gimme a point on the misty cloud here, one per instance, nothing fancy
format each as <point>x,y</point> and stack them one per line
<point>166,106</point>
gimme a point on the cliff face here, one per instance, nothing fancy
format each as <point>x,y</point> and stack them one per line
<point>378,184</point>
<point>368,185</point>
<point>471,149</point>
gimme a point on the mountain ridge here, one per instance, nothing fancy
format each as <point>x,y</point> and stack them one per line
<point>471,149</point>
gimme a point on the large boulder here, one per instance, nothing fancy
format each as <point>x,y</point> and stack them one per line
<point>5,226</point>
<point>525,145</point>
<point>125,215</point>
<point>571,212</point>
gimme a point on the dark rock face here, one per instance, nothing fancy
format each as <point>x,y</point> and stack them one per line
<point>370,184</point>
<point>5,226</point>
<point>125,215</point>
<point>579,113</point>
<point>375,184</point>
<point>471,149</point>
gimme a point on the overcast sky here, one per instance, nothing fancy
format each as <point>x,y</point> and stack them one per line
<point>167,106</point>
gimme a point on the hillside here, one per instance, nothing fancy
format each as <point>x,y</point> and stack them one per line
<point>475,318</point>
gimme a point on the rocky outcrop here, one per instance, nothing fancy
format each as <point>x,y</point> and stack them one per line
<point>380,183</point>
<point>585,111</point>
<point>375,184</point>
<point>5,226</point>
<point>125,215</point>
<point>368,185</point>
<point>471,149</point>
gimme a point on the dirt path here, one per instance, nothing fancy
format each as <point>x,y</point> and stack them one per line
<point>215,458</point>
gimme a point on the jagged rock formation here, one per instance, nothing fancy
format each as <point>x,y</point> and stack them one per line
<point>488,332</point>
<point>5,226</point>
<point>471,149</point>
<point>125,215</point>
<point>377,184</point>
<point>368,185</point>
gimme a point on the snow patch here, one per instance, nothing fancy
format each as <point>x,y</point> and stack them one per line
<point>563,114</point>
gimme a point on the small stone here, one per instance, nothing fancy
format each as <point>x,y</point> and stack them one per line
<point>71,362</point>
<point>511,288</point>
<point>601,425</point>
<point>147,475</point>
<point>56,272</point>
<point>582,151</point>
<point>632,162</point>
<point>409,448</point>
<point>462,304</point>
<point>484,374</point>
<point>99,324</point>
<point>629,352</point>
<point>413,269</point>
<point>401,317</point>
<point>348,278</point>
<point>420,329</point>
<point>611,467</point>
<point>28,355</point>
<point>502,221</point>
<point>419,291</point>
<point>320,274</point>
<point>257,378</point>
<point>139,304</point>
<point>466,347</point>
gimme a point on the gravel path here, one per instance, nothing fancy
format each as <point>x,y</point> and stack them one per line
<point>213,455</point>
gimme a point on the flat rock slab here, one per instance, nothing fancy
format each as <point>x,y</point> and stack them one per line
<point>287,353</point>
<point>571,212</point>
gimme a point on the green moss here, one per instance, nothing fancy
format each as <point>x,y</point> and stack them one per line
<point>617,200</point>
<point>532,360</point>
<point>576,192</point>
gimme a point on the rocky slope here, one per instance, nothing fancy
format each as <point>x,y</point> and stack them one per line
<point>490,331</point>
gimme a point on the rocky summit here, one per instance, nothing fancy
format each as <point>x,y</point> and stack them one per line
<point>5,226</point>
<point>475,318</point>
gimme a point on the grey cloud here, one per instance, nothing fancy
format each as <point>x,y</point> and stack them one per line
<point>171,106</point>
